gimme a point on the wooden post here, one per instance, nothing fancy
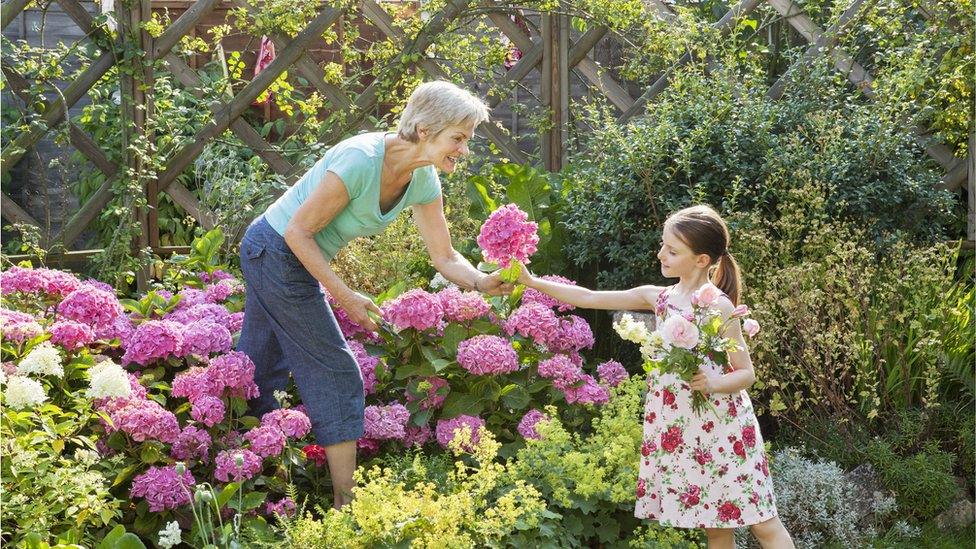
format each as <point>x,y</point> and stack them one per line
<point>555,88</point>
<point>971,163</point>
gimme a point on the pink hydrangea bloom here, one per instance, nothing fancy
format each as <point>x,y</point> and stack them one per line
<point>447,430</point>
<point>386,422</point>
<point>432,400</point>
<point>526,427</point>
<point>195,383</point>
<point>415,309</point>
<point>508,234</point>
<point>208,410</point>
<point>163,488</point>
<point>100,285</point>
<point>235,371</point>
<point>190,297</point>
<point>611,373</point>
<point>91,306</point>
<point>417,436</point>
<point>533,320</point>
<point>235,321</point>
<point>266,440</point>
<point>291,421</point>
<point>48,281</point>
<point>587,392</point>
<point>219,291</point>
<point>145,420</point>
<point>193,443</point>
<point>153,340</point>
<point>562,370</point>
<point>227,466</point>
<point>367,446</point>
<point>71,335</point>
<point>216,276</point>
<point>286,508</point>
<point>121,328</point>
<point>205,337</point>
<point>531,295</point>
<point>487,354</point>
<point>201,311</point>
<point>461,306</point>
<point>18,327</point>
<point>367,365</point>
<point>573,335</point>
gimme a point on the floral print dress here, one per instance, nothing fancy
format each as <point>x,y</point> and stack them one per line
<point>707,471</point>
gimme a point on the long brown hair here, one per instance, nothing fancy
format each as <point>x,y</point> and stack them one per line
<point>704,231</point>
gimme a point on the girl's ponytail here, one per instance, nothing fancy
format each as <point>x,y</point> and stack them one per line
<point>728,278</point>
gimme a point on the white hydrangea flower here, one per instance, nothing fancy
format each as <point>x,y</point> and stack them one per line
<point>3,377</point>
<point>439,282</point>
<point>632,330</point>
<point>108,379</point>
<point>23,392</point>
<point>170,536</point>
<point>43,360</point>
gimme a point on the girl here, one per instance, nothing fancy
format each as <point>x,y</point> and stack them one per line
<point>708,471</point>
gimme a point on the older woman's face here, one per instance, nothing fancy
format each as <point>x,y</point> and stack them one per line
<point>447,147</point>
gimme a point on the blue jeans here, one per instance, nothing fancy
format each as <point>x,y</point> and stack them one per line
<point>290,329</point>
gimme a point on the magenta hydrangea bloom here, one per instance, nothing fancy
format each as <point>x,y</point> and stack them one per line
<point>266,440</point>
<point>121,328</point>
<point>286,508</point>
<point>417,436</point>
<point>153,340</point>
<point>235,321</point>
<point>190,297</point>
<point>533,320</point>
<point>71,335</point>
<point>587,392</point>
<point>227,466</point>
<point>415,309</point>
<point>367,365</point>
<point>193,443</point>
<point>367,446</point>
<point>432,400</point>
<point>216,276</point>
<point>47,281</point>
<point>208,410</point>
<point>573,335</point>
<point>201,311</point>
<point>386,422</point>
<point>99,285</point>
<point>508,234</point>
<point>447,430</point>
<point>163,488</point>
<point>145,420</point>
<point>562,370</point>
<point>90,305</point>
<point>461,306</point>
<point>531,295</point>
<point>219,291</point>
<point>194,383</point>
<point>235,371</point>
<point>612,373</point>
<point>205,337</point>
<point>526,427</point>
<point>487,355</point>
<point>292,422</point>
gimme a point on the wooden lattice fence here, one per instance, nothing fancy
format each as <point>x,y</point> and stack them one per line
<point>552,53</point>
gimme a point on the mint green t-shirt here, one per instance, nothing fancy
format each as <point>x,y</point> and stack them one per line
<point>358,161</point>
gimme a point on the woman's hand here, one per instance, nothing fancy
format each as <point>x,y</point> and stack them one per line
<point>492,285</point>
<point>356,305</point>
<point>702,383</point>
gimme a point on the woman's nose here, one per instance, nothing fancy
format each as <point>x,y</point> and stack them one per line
<point>464,149</point>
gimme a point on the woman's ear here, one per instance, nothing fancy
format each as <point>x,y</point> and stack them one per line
<point>423,133</point>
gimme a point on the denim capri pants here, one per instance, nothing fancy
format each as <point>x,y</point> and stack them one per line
<point>290,329</point>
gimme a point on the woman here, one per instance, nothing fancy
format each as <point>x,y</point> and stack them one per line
<point>356,189</point>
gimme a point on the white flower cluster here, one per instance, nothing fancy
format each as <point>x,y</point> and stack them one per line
<point>439,282</point>
<point>170,536</point>
<point>108,379</point>
<point>631,330</point>
<point>23,392</point>
<point>43,360</point>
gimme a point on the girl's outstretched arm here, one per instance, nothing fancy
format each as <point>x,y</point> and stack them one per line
<point>639,298</point>
<point>742,375</point>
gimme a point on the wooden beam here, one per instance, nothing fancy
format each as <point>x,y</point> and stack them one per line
<point>14,213</point>
<point>555,89</point>
<point>724,26</point>
<point>10,10</point>
<point>971,188</point>
<point>226,114</point>
<point>82,18</point>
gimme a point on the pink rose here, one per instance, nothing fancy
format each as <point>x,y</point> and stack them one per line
<point>707,296</point>
<point>740,311</point>
<point>751,327</point>
<point>679,332</point>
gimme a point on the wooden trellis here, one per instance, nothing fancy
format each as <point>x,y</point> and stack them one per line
<point>553,54</point>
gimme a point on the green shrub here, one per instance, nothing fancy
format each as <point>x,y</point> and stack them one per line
<point>922,481</point>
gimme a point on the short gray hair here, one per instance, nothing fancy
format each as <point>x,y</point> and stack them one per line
<point>437,105</point>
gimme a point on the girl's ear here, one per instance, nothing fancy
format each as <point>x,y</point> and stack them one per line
<point>703,261</point>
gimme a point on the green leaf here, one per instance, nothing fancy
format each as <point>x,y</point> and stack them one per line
<point>482,203</point>
<point>251,501</point>
<point>516,399</point>
<point>458,403</point>
<point>228,492</point>
<point>453,335</point>
<point>129,541</point>
<point>124,474</point>
<point>108,542</point>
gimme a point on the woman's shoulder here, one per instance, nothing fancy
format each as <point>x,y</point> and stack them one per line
<point>369,145</point>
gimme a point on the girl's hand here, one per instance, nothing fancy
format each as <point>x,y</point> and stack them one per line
<point>525,277</point>
<point>702,383</point>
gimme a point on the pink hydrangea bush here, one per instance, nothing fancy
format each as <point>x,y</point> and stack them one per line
<point>508,235</point>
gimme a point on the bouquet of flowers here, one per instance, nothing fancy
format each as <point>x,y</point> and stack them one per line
<point>507,240</point>
<point>683,342</point>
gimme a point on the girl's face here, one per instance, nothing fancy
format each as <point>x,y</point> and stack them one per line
<point>446,148</point>
<point>677,259</point>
